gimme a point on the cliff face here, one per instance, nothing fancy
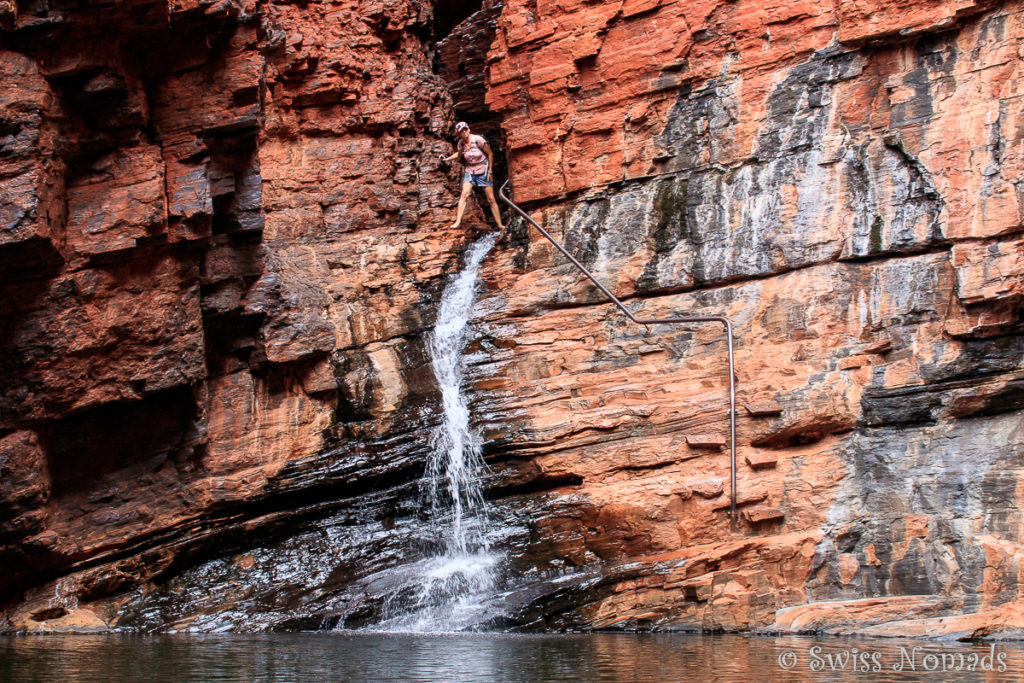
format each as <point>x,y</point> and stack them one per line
<point>842,181</point>
<point>223,230</point>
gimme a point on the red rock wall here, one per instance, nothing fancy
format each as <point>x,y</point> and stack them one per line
<point>842,181</point>
<point>223,231</point>
<point>219,223</point>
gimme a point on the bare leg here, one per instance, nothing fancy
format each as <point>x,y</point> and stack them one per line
<point>467,188</point>
<point>489,191</point>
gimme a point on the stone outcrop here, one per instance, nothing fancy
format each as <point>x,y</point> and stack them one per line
<point>223,231</point>
<point>820,174</point>
<point>221,224</point>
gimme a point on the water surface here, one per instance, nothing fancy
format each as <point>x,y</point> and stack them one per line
<point>349,656</point>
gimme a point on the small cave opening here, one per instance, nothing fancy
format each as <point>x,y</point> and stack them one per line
<point>464,33</point>
<point>450,13</point>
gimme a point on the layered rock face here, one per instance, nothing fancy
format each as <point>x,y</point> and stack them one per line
<point>223,226</point>
<point>224,234</point>
<point>843,182</point>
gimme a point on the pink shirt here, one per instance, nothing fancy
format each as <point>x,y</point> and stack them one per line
<point>473,154</point>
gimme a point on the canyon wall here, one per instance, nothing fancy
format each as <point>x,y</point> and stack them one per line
<point>224,226</point>
<point>225,230</point>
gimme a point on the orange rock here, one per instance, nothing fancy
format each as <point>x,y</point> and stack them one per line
<point>218,267</point>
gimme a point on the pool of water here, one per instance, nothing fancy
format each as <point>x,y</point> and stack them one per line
<point>352,656</point>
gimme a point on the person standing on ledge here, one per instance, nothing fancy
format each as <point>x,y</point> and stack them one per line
<point>477,156</point>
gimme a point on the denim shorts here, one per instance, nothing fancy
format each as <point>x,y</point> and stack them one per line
<point>477,179</point>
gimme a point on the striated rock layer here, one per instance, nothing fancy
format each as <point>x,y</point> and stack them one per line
<point>842,181</point>
<point>223,230</point>
<point>223,234</point>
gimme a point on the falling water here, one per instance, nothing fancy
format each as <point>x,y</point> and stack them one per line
<point>454,578</point>
<point>455,464</point>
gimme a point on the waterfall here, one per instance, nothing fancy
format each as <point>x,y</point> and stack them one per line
<point>455,465</point>
<point>452,582</point>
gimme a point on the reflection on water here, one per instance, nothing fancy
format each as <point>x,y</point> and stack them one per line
<point>476,657</point>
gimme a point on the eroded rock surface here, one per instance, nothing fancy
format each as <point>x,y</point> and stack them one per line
<point>829,178</point>
<point>219,255</point>
<point>223,229</point>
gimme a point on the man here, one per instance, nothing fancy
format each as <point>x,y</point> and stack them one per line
<point>477,156</point>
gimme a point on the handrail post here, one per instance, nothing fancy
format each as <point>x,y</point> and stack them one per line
<point>652,321</point>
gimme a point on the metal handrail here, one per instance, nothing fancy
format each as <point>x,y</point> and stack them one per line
<point>653,321</point>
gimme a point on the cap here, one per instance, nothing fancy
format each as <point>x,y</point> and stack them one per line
<point>461,126</point>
